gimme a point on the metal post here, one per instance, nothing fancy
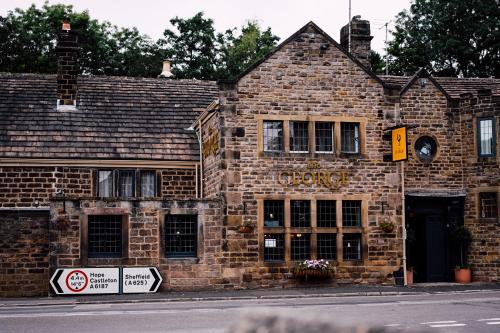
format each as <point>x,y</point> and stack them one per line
<point>349,39</point>
<point>403,214</point>
<point>386,55</point>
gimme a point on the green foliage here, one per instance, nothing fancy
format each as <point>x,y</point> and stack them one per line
<point>28,40</point>
<point>377,64</point>
<point>448,38</point>
<point>462,238</point>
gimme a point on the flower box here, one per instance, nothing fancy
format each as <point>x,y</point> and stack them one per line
<point>313,270</point>
<point>245,229</point>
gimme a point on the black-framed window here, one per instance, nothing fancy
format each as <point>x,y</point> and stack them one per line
<point>327,246</point>
<point>324,137</point>
<point>105,183</point>
<point>326,213</point>
<point>272,132</point>
<point>486,136</point>
<point>350,138</point>
<point>488,205</point>
<point>351,213</point>
<point>351,247</point>
<point>300,246</point>
<point>105,236</point>
<point>126,183</point>
<point>274,213</point>
<point>299,136</point>
<point>300,216</point>
<point>181,235</point>
<point>274,247</point>
<point>148,183</point>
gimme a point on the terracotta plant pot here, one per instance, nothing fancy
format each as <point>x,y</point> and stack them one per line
<point>462,275</point>
<point>245,229</point>
<point>409,277</point>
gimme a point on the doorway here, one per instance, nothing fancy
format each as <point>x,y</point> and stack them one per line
<point>428,245</point>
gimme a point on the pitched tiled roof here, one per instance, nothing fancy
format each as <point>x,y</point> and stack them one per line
<point>452,85</point>
<point>116,118</point>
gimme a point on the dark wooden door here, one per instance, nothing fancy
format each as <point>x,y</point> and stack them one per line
<point>435,235</point>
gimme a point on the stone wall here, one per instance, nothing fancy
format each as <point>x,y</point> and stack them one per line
<point>178,184</point>
<point>482,175</point>
<point>212,174</point>
<point>299,80</point>
<point>24,249</point>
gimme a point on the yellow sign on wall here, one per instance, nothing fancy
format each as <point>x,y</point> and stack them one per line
<point>399,146</point>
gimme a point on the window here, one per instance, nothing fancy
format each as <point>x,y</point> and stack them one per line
<point>300,246</point>
<point>104,236</point>
<point>105,183</point>
<point>351,213</point>
<point>327,246</point>
<point>350,138</point>
<point>126,182</point>
<point>274,213</point>
<point>301,213</point>
<point>181,235</point>
<point>351,246</point>
<point>294,229</point>
<point>324,137</point>
<point>273,136</point>
<point>326,216</point>
<point>299,136</point>
<point>274,247</point>
<point>488,205</point>
<point>426,148</point>
<point>486,137</point>
<point>148,184</point>
<point>122,183</point>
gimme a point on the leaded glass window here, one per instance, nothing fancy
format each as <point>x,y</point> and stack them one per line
<point>126,183</point>
<point>104,236</point>
<point>351,246</point>
<point>300,213</point>
<point>350,138</point>
<point>273,136</point>
<point>300,246</point>
<point>299,136</point>
<point>486,137</point>
<point>105,183</point>
<point>324,137</point>
<point>488,205</point>
<point>181,235</point>
<point>148,184</point>
<point>351,213</point>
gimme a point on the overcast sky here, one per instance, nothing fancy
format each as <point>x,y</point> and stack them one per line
<point>151,17</point>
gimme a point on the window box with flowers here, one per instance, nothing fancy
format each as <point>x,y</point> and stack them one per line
<point>313,270</point>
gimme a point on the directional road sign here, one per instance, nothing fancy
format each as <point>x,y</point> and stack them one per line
<point>141,280</point>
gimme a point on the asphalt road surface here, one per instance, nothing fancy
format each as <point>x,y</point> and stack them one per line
<point>451,312</point>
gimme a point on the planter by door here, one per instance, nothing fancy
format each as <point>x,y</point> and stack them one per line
<point>462,275</point>
<point>409,277</point>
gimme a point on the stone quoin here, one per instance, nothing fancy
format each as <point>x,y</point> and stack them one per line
<point>108,172</point>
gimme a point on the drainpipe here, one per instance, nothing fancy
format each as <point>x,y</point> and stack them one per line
<point>201,159</point>
<point>403,215</point>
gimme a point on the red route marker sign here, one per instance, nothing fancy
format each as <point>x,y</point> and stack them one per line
<point>77,281</point>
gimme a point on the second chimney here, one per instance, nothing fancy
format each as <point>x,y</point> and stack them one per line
<point>360,39</point>
<point>67,67</point>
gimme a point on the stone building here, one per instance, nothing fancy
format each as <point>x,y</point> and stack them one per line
<point>118,172</point>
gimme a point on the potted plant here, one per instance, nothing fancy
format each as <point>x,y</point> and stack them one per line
<point>409,275</point>
<point>386,226</point>
<point>245,228</point>
<point>462,238</point>
<point>313,269</point>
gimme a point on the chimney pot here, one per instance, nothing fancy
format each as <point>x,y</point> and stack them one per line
<point>166,71</point>
<point>66,26</point>
<point>360,39</point>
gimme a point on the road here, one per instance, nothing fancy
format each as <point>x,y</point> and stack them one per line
<point>451,312</point>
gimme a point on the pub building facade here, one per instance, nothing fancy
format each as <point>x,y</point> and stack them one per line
<point>100,171</point>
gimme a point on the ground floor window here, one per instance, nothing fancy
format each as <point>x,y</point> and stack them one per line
<point>295,229</point>
<point>105,236</point>
<point>181,236</point>
<point>488,205</point>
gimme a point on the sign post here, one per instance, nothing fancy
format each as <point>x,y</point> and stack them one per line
<point>85,281</point>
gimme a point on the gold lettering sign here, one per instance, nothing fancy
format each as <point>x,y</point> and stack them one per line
<point>313,176</point>
<point>211,145</point>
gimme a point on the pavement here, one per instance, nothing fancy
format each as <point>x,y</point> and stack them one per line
<point>254,294</point>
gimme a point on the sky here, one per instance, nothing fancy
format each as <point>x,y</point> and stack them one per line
<point>151,17</point>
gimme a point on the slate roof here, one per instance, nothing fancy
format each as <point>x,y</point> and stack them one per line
<point>116,118</point>
<point>452,85</point>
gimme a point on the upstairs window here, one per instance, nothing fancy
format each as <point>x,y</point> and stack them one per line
<point>148,183</point>
<point>326,213</point>
<point>273,136</point>
<point>324,137</point>
<point>105,183</point>
<point>299,136</point>
<point>486,137</point>
<point>351,213</point>
<point>350,138</point>
<point>126,183</point>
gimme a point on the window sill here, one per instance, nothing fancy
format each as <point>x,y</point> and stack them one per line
<point>189,260</point>
<point>488,219</point>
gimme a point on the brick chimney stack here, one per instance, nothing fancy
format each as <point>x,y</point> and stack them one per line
<point>360,39</point>
<point>67,67</point>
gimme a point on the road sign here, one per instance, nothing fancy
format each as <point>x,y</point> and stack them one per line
<point>399,146</point>
<point>141,280</point>
<point>86,281</point>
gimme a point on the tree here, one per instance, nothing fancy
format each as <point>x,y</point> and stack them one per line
<point>377,64</point>
<point>237,53</point>
<point>448,38</point>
